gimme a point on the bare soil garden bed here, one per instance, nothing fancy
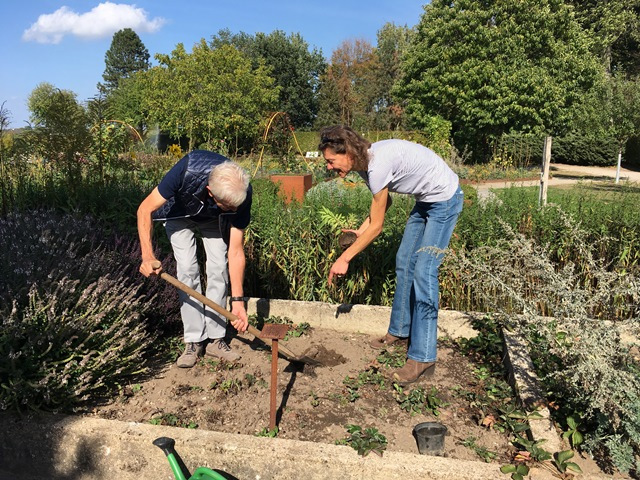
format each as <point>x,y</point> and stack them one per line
<point>316,403</point>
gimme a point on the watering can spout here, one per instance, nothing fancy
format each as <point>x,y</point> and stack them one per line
<point>165,444</point>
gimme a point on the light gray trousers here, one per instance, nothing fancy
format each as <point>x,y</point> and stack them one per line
<point>199,322</point>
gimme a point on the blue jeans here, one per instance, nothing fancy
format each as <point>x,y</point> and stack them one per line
<point>414,313</point>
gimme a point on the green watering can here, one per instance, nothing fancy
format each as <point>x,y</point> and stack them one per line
<point>202,473</point>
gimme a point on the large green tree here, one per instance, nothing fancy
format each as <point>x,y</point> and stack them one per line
<point>497,67</point>
<point>208,95</point>
<point>614,25</point>
<point>613,111</point>
<point>127,103</point>
<point>59,128</point>
<point>349,90</point>
<point>126,56</point>
<point>295,67</point>
<point>393,42</point>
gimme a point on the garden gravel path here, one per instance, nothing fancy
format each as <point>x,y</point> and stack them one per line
<point>562,174</point>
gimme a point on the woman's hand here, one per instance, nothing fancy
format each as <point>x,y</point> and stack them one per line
<point>338,269</point>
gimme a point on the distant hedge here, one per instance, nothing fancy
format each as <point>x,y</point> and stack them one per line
<point>581,150</point>
<point>572,149</point>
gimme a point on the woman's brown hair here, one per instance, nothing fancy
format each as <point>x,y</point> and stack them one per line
<point>342,139</point>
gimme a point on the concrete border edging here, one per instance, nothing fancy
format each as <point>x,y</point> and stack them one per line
<point>90,448</point>
<point>369,319</point>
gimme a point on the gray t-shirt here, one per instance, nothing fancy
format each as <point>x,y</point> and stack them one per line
<point>410,168</point>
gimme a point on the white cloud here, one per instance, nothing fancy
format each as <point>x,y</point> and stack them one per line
<point>102,21</point>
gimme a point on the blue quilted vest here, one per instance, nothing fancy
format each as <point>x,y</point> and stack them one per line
<point>192,197</point>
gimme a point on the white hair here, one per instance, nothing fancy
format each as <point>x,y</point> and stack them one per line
<point>228,183</point>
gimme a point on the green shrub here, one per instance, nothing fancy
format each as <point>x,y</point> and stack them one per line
<point>582,150</point>
<point>518,150</point>
<point>584,365</point>
<point>435,135</point>
<point>308,141</point>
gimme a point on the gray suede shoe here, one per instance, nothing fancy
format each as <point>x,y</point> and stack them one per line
<point>190,355</point>
<point>221,349</point>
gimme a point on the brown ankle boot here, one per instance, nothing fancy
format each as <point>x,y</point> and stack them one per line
<point>387,341</point>
<point>412,371</point>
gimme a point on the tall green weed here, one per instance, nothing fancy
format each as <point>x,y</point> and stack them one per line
<point>291,247</point>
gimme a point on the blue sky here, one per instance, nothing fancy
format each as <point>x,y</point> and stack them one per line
<point>64,42</point>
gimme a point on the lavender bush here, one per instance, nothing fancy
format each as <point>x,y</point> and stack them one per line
<point>74,311</point>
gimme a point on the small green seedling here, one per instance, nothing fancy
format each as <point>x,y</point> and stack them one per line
<point>173,421</point>
<point>393,358</point>
<point>537,453</point>
<point>364,442</point>
<point>518,472</point>
<point>511,419</point>
<point>482,452</point>
<point>572,433</point>
<point>265,432</point>
<point>562,463</point>
<point>419,401</point>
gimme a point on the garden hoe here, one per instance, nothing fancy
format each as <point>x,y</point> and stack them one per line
<point>288,354</point>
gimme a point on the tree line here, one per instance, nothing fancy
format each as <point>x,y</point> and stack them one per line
<point>479,70</point>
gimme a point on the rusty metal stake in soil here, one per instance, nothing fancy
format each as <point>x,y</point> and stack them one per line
<point>274,332</point>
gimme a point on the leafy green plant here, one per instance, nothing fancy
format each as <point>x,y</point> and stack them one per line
<point>482,452</point>
<point>251,380</point>
<point>368,377</point>
<point>265,432</point>
<point>513,420</point>
<point>228,386</point>
<point>392,358</point>
<point>364,441</point>
<point>172,420</point>
<point>573,434</point>
<point>219,365</point>
<point>562,463</point>
<point>419,400</point>
<point>535,451</point>
<point>518,472</point>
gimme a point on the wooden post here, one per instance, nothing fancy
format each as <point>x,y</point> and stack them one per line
<point>618,166</point>
<point>544,174</point>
